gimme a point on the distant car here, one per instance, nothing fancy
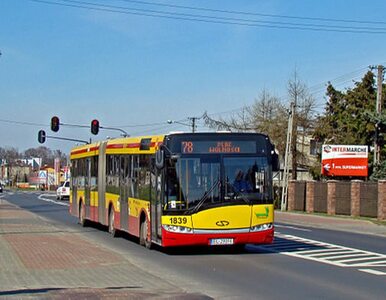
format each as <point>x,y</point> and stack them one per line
<point>63,192</point>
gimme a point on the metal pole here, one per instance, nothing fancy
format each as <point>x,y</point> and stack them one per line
<point>286,158</point>
<point>378,108</point>
<point>193,125</point>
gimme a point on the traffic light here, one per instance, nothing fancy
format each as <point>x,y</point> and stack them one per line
<point>41,136</point>
<point>55,124</point>
<point>94,127</point>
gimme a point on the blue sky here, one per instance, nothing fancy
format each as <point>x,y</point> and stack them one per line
<point>131,70</point>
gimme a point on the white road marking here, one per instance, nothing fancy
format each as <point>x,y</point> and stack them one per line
<point>326,253</point>
<point>41,197</point>
<point>374,272</point>
<point>292,227</point>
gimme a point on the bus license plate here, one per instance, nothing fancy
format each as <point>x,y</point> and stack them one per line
<point>217,242</point>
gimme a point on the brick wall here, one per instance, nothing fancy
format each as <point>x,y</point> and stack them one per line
<point>355,198</point>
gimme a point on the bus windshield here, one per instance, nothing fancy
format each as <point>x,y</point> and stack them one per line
<point>212,180</point>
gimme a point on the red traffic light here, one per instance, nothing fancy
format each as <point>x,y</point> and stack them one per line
<point>94,127</point>
<point>55,124</point>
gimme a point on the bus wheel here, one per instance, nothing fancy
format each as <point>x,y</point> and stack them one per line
<point>143,240</point>
<point>238,248</point>
<point>82,214</point>
<point>112,229</point>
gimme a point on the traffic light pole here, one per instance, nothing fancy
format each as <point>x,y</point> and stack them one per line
<point>55,124</point>
<point>42,138</point>
<point>66,139</point>
<point>124,133</point>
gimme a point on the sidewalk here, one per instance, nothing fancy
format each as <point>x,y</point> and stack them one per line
<point>341,223</point>
<point>41,261</point>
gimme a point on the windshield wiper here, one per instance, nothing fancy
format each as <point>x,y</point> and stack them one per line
<point>239,195</point>
<point>242,196</point>
<point>203,199</point>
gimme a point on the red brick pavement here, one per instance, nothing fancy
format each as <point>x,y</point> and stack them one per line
<point>59,251</point>
<point>39,261</point>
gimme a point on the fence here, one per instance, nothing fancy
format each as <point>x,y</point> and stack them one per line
<point>355,198</point>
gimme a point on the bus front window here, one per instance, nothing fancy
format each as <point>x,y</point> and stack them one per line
<point>204,181</point>
<point>197,179</point>
<point>246,177</point>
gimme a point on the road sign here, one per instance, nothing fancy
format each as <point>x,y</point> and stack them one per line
<point>345,160</point>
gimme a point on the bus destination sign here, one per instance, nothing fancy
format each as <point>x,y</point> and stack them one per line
<point>208,147</point>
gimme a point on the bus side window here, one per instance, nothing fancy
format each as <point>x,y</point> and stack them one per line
<point>171,185</point>
<point>134,176</point>
<point>260,181</point>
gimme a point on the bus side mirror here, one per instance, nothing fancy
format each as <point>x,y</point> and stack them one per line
<point>160,159</point>
<point>275,162</point>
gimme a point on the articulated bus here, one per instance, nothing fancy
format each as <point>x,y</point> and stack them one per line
<point>178,189</point>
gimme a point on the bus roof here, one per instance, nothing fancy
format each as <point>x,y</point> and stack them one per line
<point>125,145</point>
<point>149,144</point>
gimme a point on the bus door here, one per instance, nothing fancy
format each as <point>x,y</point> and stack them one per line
<point>124,181</point>
<point>101,182</point>
<point>156,203</point>
<point>74,192</point>
<point>87,184</point>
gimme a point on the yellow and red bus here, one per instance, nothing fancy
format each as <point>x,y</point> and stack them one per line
<point>178,189</point>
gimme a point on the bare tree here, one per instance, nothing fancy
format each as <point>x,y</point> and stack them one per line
<point>266,115</point>
<point>9,154</point>
<point>303,115</point>
<point>42,152</point>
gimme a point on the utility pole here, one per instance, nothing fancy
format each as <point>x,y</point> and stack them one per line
<point>286,158</point>
<point>378,109</point>
<point>193,119</point>
<point>193,122</point>
<point>294,128</point>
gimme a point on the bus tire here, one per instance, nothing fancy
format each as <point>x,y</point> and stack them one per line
<point>111,227</point>
<point>238,248</point>
<point>82,215</point>
<point>143,238</point>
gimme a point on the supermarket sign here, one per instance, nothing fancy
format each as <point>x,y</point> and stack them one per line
<point>344,160</point>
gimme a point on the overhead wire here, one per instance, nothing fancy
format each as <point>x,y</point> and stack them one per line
<point>213,19</point>
<point>315,89</point>
<point>252,13</point>
<point>21,123</point>
<point>338,81</point>
<point>222,20</point>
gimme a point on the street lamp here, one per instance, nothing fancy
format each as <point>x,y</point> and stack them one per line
<point>192,124</point>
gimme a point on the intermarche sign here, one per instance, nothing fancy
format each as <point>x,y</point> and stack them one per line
<point>345,160</point>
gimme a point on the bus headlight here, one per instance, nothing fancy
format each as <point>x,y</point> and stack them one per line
<point>177,229</point>
<point>262,227</point>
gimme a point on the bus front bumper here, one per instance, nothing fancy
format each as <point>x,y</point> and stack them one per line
<point>211,237</point>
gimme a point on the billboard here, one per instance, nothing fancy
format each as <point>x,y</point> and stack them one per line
<point>344,160</point>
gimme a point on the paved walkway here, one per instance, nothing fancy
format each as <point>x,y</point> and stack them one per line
<point>39,260</point>
<point>42,261</point>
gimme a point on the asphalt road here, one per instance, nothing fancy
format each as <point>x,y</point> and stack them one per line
<point>303,263</point>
